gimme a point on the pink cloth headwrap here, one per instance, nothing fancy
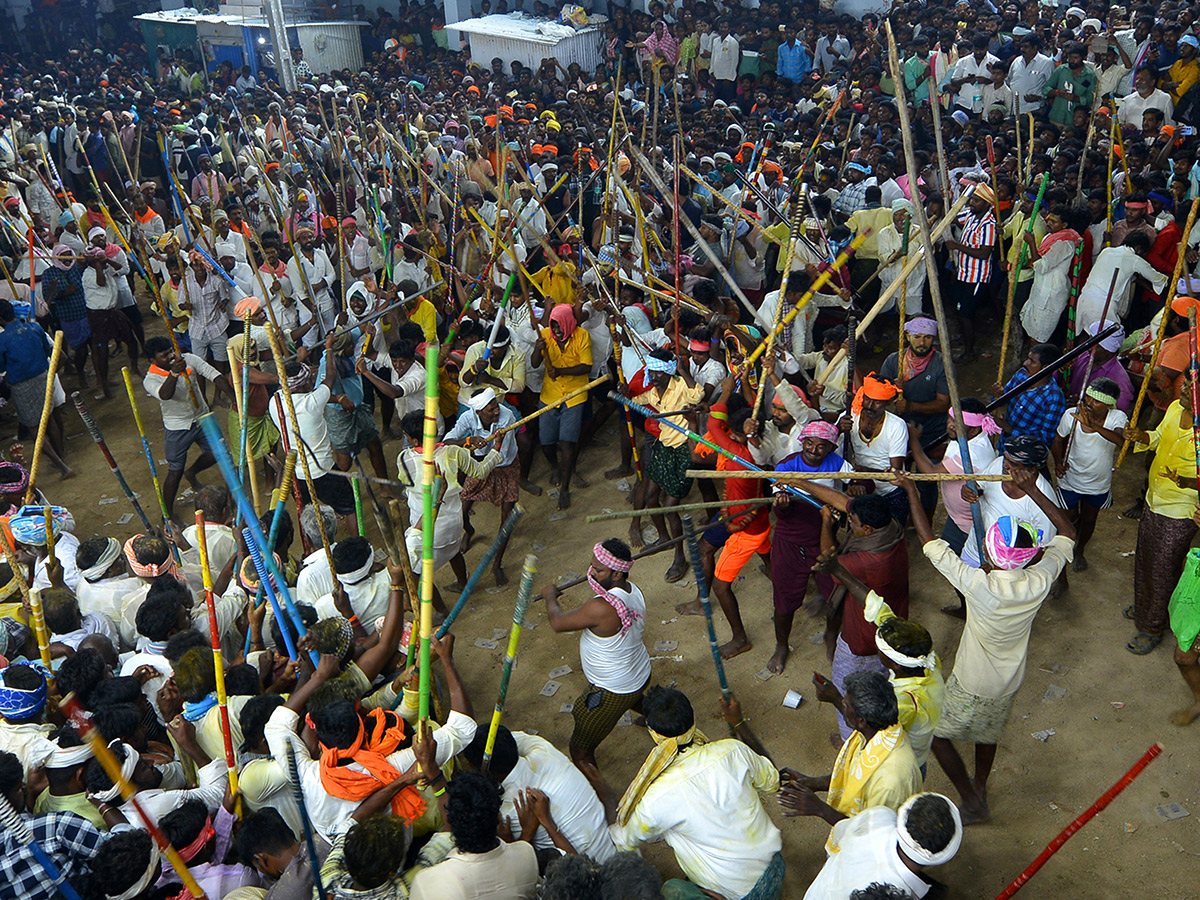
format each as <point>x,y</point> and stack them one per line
<point>616,564</point>
<point>819,428</point>
<point>980,420</point>
<point>1000,543</point>
<point>564,315</point>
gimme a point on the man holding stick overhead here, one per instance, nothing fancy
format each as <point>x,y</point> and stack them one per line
<point>181,419</point>
<point>611,650</point>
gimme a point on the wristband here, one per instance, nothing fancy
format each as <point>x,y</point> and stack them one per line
<point>353,620</point>
<point>397,587</point>
<point>439,792</point>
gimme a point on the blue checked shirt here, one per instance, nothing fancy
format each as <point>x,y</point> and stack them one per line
<point>793,62</point>
<point>69,839</point>
<point>1037,411</point>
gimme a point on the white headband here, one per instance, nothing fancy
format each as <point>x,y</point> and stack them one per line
<point>915,851</point>
<point>928,661</point>
<point>144,881</point>
<point>107,558</point>
<point>360,574</point>
<point>66,757</point>
<point>114,792</point>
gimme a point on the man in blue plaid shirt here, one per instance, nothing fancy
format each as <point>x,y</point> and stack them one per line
<point>1037,411</point>
<point>69,839</point>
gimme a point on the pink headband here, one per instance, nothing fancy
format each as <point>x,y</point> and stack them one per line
<point>149,570</point>
<point>980,420</point>
<point>206,834</point>
<point>1001,538</point>
<point>609,561</point>
<point>699,346</point>
<point>1137,205</point>
<point>819,428</point>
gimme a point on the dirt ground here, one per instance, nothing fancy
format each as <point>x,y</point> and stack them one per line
<point>1115,705</point>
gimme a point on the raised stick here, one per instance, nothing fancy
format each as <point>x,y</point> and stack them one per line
<point>528,571</point>
<point>1088,814</point>
<point>428,472</point>
<point>1046,371</point>
<point>298,794</point>
<point>215,635</point>
<point>279,501</point>
<point>686,507</point>
<point>545,409</point>
<point>1015,276</point>
<point>47,409</point>
<point>141,427</point>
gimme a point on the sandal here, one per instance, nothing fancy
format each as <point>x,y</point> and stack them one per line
<point>1128,613</point>
<point>1143,643</point>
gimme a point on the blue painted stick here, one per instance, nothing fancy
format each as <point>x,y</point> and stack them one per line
<point>502,536</point>
<point>285,487</point>
<point>264,563</point>
<point>693,546</point>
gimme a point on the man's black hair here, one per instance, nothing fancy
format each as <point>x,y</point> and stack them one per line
<point>872,510</point>
<point>472,812</point>
<point>264,831</point>
<point>668,711</point>
<point>351,554</point>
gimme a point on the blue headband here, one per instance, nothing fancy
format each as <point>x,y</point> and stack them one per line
<point>16,703</point>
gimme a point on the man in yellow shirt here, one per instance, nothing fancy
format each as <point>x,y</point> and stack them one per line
<point>1185,72</point>
<point>870,221</point>
<point>418,309</point>
<point>566,349</point>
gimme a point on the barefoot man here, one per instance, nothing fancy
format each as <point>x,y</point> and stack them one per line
<point>1003,598</point>
<point>611,651</point>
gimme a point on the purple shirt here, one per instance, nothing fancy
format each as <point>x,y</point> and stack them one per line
<point>1111,369</point>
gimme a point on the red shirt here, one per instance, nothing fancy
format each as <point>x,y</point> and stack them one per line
<point>885,573</point>
<point>737,488</point>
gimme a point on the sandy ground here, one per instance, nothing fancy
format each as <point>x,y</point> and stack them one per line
<point>1115,705</point>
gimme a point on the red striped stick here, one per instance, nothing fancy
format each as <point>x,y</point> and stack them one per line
<point>1055,845</point>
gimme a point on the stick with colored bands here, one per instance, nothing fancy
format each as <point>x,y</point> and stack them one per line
<point>141,427</point>
<point>83,724</point>
<point>47,409</point>
<point>427,522</point>
<point>218,663</point>
<point>499,541</point>
<point>523,594</point>
<point>298,794</point>
<point>279,499</point>
<point>98,437</point>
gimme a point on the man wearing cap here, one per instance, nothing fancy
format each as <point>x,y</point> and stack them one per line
<point>853,195</point>
<point>475,429</point>
<point>1023,562</point>
<point>972,254</point>
<point>208,181</point>
<point>1185,71</point>
<point>892,847</point>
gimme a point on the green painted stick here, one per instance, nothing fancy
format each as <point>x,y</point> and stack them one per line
<point>427,520</point>
<point>528,571</point>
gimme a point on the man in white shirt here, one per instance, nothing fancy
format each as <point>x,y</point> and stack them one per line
<point>309,400</point>
<point>1028,74</point>
<point>723,64</point>
<point>525,762</point>
<point>1146,95</point>
<point>885,846</point>
<point>182,406</point>
<point>701,797</point>
<point>319,274</point>
<point>831,48</point>
<point>971,74</point>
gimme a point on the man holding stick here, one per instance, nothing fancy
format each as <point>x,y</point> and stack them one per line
<point>611,650</point>
<point>566,350</point>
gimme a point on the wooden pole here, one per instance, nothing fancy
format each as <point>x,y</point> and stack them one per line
<point>1014,277</point>
<point>934,287</point>
<point>693,545</point>
<point>714,475</point>
<point>545,409</point>
<point>776,330</point>
<point>502,536</point>
<point>47,409</point>
<point>685,507</point>
<point>1162,326</point>
<point>33,599</point>
<point>94,430</point>
<point>141,427</point>
<point>428,473</point>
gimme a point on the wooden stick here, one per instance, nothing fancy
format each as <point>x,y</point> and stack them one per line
<point>715,475</point>
<point>934,287</point>
<point>1090,813</point>
<point>887,293</point>
<point>215,635</point>
<point>1014,276</point>
<point>33,599</point>
<point>524,592</point>
<point>935,108</point>
<point>141,427</point>
<point>685,507</point>
<point>545,409</point>
<point>47,409</point>
<point>793,230</point>
<point>1162,326</point>
<point>428,473</point>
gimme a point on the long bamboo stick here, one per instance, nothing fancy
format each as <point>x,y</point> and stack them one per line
<point>528,571</point>
<point>693,545</point>
<point>47,409</point>
<point>33,599</point>
<point>502,536</point>
<point>428,473</point>
<point>714,475</point>
<point>215,635</point>
<point>683,507</point>
<point>545,409</point>
<point>94,430</point>
<point>141,427</point>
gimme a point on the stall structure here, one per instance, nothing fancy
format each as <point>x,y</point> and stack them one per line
<point>519,38</point>
<point>243,39</point>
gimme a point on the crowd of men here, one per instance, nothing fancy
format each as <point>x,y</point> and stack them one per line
<point>714,247</point>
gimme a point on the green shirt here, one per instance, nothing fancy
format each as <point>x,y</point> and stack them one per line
<point>76,803</point>
<point>1083,86</point>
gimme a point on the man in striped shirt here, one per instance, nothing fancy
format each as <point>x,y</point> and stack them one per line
<point>972,254</point>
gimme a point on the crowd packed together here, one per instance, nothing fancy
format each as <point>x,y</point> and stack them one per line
<point>762,244</point>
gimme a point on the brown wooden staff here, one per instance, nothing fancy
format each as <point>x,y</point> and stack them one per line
<point>47,409</point>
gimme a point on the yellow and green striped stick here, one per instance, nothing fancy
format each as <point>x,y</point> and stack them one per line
<point>528,571</point>
<point>218,662</point>
<point>428,473</point>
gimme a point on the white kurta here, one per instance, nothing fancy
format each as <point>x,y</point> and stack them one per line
<point>1050,292</point>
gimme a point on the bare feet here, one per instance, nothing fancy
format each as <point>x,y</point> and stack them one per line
<point>66,473</point>
<point>555,476</point>
<point>456,587</point>
<point>468,535</point>
<point>530,488</point>
<point>618,472</point>
<point>778,659</point>
<point>1081,563</point>
<point>1182,717</point>
<point>691,608</point>
<point>578,480</point>
<point>735,647</point>
<point>677,570</point>
<point>974,813</point>
<point>1135,511</point>
<point>636,541</point>
<point>192,479</point>
<point>498,573</point>
<point>564,498</point>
